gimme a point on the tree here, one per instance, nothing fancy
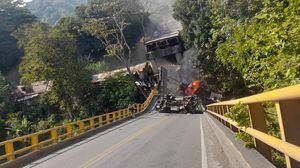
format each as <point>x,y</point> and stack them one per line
<point>88,46</point>
<point>12,16</point>
<point>52,57</point>
<point>4,104</point>
<point>109,24</point>
<point>198,30</point>
<point>265,49</point>
<point>241,46</point>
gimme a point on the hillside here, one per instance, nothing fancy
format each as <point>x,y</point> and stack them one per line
<point>50,11</point>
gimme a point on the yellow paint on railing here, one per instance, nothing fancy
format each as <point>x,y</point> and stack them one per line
<point>288,93</point>
<point>9,150</point>
<point>287,102</point>
<point>69,130</point>
<point>54,136</point>
<point>284,147</point>
<point>35,144</point>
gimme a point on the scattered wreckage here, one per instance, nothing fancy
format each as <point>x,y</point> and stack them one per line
<point>182,104</point>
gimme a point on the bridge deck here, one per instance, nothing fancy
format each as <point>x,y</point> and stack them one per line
<point>152,140</point>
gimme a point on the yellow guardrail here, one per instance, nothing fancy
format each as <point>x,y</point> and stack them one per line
<point>57,134</point>
<point>287,105</point>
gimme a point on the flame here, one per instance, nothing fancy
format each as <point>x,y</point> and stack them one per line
<point>193,88</point>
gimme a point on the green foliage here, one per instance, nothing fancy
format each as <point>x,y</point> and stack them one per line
<point>94,67</point>
<point>199,31</point>
<point>113,93</point>
<point>278,159</point>
<point>243,46</point>
<point>240,114</point>
<point>4,95</point>
<point>246,138</point>
<point>52,57</point>
<point>120,91</point>
<point>17,126</point>
<point>265,50</point>
<point>65,55</point>
<point>12,16</point>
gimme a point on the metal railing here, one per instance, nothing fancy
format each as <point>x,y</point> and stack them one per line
<point>287,107</point>
<point>38,140</point>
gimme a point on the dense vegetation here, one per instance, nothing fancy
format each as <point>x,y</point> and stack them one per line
<point>50,11</point>
<point>11,17</point>
<point>65,56</point>
<point>243,46</point>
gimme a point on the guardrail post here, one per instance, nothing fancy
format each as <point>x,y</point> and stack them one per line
<point>258,121</point>
<point>81,126</point>
<point>107,119</point>
<point>222,111</point>
<point>122,114</point>
<point>35,142</point>
<point>53,133</point>
<point>69,130</point>
<point>100,120</point>
<point>119,114</point>
<point>9,150</point>
<point>92,122</point>
<point>218,110</point>
<point>114,116</point>
<point>288,118</point>
<point>225,111</point>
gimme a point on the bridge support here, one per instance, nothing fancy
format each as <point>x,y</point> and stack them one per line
<point>258,122</point>
<point>288,114</point>
<point>179,57</point>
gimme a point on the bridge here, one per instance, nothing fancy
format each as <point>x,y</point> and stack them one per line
<point>152,139</point>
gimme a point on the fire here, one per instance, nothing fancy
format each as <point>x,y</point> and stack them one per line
<point>193,88</point>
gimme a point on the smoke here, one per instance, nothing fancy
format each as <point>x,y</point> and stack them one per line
<point>187,72</point>
<point>162,21</point>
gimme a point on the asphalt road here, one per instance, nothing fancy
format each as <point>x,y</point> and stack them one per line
<point>152,140</point>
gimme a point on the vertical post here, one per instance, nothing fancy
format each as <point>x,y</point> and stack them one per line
<point>122,113</point>
<point>69,130</point>
<point>258,121</point>
<point>114,116</point>
<point>9,150</point>
<point>224,111</point>
<point>107,119</point>
<point>53,133</point>
<point>288,118</point>
<point>218,110</point>
<point>81,126</point>
<point>100,120</point>
<point>35,142</point>
<point>92,122</point>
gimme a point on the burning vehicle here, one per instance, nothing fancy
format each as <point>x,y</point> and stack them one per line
<point>199,89</point>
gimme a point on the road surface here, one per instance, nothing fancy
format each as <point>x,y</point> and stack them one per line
<point>152,140</point>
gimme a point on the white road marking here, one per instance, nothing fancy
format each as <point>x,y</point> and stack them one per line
<point>203,148</point>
